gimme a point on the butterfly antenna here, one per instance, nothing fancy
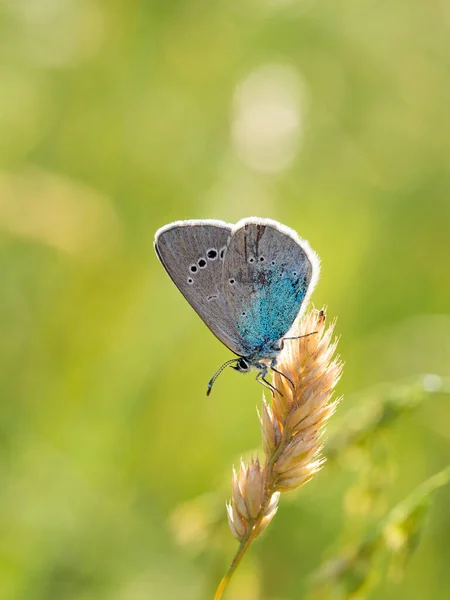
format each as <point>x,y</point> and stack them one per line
<point>218,372</point>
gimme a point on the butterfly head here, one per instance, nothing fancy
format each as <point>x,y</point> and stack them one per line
<point>243,365</point>
<point>262,360</point>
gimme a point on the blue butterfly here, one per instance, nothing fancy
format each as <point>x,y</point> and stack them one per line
<point>248,282</point>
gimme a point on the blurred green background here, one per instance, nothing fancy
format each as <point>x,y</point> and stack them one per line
<point>119,117</point>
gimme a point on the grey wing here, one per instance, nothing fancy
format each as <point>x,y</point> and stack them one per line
<point>268,273</point>
<point>192,253</point>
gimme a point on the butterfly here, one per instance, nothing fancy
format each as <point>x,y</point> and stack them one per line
<point>248,282</point>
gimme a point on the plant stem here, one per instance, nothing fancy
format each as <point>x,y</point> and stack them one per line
<point>243,547</point>
<point>246,542</point>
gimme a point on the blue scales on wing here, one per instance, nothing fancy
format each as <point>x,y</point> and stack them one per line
<point>266,276</point>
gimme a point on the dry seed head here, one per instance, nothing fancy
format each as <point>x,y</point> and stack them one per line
<point>270,428</point>
<point>292,427</point>
<point>300,413</point>
<point>269,513</point>
<point>237,524</point>
<point>247,500</point>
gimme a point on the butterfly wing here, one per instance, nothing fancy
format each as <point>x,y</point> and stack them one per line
<point>192,252</point>
<point>268,273</point>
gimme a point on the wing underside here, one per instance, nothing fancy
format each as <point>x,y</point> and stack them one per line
<point>193,255</point>
<point>266,278</point>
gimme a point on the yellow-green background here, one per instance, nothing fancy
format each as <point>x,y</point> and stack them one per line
<point>119,117</point>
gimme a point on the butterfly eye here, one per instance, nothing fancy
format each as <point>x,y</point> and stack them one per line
<point>243,365</point>
<point>251,259</point>
<point>212,254</point>
<point>193,268</point>
<point>202,263</point>
<point>231,281</point>
<point>261,259</point>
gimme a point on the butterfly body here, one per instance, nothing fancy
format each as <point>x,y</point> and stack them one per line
<point>248,282</point>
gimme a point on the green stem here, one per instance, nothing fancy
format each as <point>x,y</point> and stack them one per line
<point>243,547</point>
<point>253,531</point>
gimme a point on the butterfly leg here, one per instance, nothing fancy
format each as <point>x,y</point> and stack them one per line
<point>279,344</point>
<point>267,384</point>
<point>272,366</point>
<point>298,337</point>
<point>263,381</point>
